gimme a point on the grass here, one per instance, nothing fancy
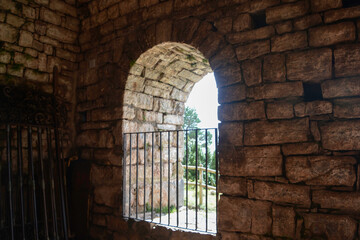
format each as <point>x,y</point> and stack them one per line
<point>164,209</point>
<point>192,199</point>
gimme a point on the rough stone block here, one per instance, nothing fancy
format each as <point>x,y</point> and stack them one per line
<point>320,6</point>
<point>228,75</point>
<point>284,27</point>
<point>276,90</point>
<point>280,193</point>
<point>287,131</point>
<point>279,110</point>
<point>347,60</point>
<point>61,34</point>
<point>36,76</point>
<point>274,68</point>
<point>347,108</point>
<point>317,169</point>
<point>242,22</point>
<point>28,62</point>
<point>312,108</point>
<point>339,14</point>
<point>347,202</point>
<point>341,135</point>
<point>62,7</point>
<point>251,161</point>
<point>330,226</point>
<point>231,133</point>
<point>252,72</point>
<point>341,88</point>
<point>310,66</point>
<point>260,5</point>
<point>289,41</point>
<point>105,175</point>
<point>300,148</point>
<point>8,33</point>
<point>5,57</point>
<point>286,11</point>
<point>14,20</point>
<point>283,221</point>
<point>232,93</point>
<point>253,216</point>
<point>307,22</point>
<point>50,16</point>
<point>242,111</point>
<point>253,50</point>
<point>233,186</point>
<point>332,34</point>
<point>250,36</point>
<point>108,195</point>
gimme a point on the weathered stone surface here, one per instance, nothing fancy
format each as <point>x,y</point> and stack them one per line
<point>250,36</point>
<point>319,5</point>
<point>50,16</point>
<point>284,27</point>
<point>287,131</point>
<point>341,135</point>
<point>317,168</point>
<point>5,57</point>
<point>36,76</point>
<point>347,60</point>
<point>347,108</point>
<point>300,148</point>
<point>344,13</point>
<point>279,110</point>
<point>228,75</point>
<point>233,186</point>
<point>332,34</point>
<point>253,216</point>
<point>242,22</point>
<point>242,111</point>
<point>251,161</point>
<point>310,66</point>
<point>138,100</point>
<point>307,22</point>
<point>312,108</point>
<point>331,226</point>
<point>14,20</point>
<point>289,41</point>
<point>341,88</point>
<point>28,62</point>
<point>276,90</point>
<point>283,221</point>
<point>231,133</point>
<point>252,72</point>
<point>108,195</point>
<point>8,33</point>
<point>63,7</point>
<point>253,50</point>
<point>286,11</point>
<point>348,202</point>
<point>280,193</point>
<point>61,34</point>
<point>274,68</point>
<point>232,93</point>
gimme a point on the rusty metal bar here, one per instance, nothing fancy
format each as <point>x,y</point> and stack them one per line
<point>20,178</point>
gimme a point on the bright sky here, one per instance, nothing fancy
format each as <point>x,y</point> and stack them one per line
<point>204,98</point>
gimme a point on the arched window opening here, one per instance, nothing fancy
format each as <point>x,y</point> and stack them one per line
<point>156,181</point>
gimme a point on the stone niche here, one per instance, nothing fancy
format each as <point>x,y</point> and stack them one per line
<point>156,90</point>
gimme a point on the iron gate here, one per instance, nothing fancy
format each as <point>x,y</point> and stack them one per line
<point>32,181</point>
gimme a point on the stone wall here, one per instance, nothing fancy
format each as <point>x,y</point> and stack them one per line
<point>287,73</point>
<point>36,36</point>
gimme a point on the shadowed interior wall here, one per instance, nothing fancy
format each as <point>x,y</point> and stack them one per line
<point>287,74</point>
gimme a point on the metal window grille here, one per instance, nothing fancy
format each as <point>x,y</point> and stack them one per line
<point>170,178</point>
<point>32,181</point>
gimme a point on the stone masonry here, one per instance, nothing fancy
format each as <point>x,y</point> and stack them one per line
<point>287,73</point>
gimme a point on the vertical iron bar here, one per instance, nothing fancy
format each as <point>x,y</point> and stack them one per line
<point>52,188</point>
<point>217,170</point>
<point>168,177</point>
<point>177,178</point>
<point>124,174</point>
<point>187,179</point>
<point>160,175</point>
<point>206,179</point>
<point>152,176</point>
<point>144,173</point>
<point>9,160</point>
<point>20,170</point>
<point>63,170</point>
<point>196,178</point>
<point>130,175</point>
<point>46,229</point>
<point>31,164</point>
<point>137,174</point>
<point>61,181</point>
